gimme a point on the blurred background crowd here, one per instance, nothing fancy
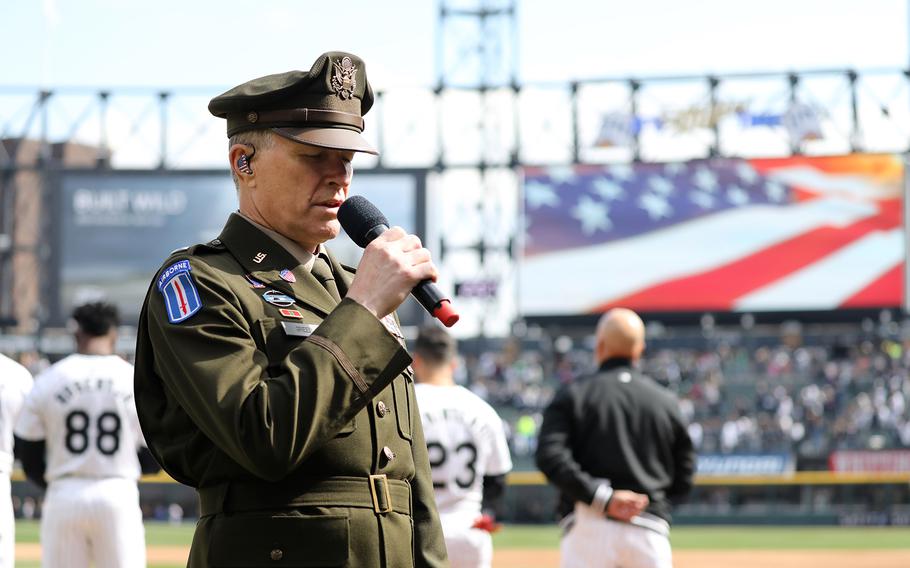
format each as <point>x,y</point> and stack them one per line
<point>787,388</point>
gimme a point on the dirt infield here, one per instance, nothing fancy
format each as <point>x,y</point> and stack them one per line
<point>156,554</point>
<point>524,558</point>
<point>739,558</point>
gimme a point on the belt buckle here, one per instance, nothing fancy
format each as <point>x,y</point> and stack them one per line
<point>385,491</point>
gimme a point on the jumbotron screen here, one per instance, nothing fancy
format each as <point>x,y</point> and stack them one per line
<point>741,235</point>
<point>117,228</point>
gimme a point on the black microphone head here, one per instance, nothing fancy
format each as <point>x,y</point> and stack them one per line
<point>358,217</point>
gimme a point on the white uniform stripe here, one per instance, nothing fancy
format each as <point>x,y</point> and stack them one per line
<point>830,281</point>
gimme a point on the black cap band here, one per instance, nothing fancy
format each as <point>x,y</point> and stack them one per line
<point>250,120</point>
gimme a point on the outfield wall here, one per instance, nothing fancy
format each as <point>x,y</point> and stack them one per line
<point>799,498</point>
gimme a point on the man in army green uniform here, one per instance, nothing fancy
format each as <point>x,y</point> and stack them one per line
<point>272,378</point>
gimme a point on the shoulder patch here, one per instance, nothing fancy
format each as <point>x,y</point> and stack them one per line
<point>181,299</point>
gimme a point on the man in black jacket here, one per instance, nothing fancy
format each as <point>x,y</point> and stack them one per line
<point>616,446</point>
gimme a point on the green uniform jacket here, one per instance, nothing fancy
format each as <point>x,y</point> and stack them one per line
<point>295,418</point>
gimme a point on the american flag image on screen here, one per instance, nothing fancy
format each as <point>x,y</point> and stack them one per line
<point>797,233</point>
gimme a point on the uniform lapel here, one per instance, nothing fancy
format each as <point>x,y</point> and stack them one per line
<point>308,286</point>
<point>264,259</point>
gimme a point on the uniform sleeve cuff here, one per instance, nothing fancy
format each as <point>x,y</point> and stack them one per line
<point>601,497</point>
<point>370,355</point>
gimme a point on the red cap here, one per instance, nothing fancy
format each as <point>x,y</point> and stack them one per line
<point>445,313</point>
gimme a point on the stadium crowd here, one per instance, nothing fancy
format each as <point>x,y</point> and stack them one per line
<point>783,389</point>
<point>806,390</point>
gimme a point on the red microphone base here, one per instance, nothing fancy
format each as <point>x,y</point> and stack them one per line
<point>445,313</point>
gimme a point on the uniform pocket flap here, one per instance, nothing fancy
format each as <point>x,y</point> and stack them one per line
<point>251,541</point>
<point>401,392</point>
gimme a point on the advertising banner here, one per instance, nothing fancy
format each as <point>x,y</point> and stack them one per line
<point>869,461</point>
<point>116,228</point>
<point>745,464</point>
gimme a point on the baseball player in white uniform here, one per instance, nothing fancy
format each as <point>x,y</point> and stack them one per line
<point>15,382</point>
<point>81,418</point>
<point>468,451</point>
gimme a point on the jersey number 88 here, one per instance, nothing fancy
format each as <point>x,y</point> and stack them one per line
<point>77,432</point>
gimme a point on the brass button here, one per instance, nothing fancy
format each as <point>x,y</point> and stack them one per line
<point>388,453</point>
<point>381,409</point>
<point>276,554</point>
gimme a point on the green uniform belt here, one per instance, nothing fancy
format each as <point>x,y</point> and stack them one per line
<point>376,492</point>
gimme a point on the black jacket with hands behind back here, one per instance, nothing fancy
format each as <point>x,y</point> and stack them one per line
<point>621,426</point>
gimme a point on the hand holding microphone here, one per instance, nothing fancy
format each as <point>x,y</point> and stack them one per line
<point>394,264</point>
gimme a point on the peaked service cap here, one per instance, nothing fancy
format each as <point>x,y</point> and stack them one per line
<point>321,107</point>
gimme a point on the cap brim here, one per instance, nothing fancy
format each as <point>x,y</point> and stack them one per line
<point>334,138</point>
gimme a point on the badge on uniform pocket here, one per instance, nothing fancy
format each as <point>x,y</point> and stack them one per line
<point>276,298</point>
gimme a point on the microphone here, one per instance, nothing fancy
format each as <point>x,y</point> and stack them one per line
<point>363,222</point>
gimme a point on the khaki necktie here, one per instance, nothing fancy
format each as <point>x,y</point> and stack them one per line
<point>323,272</point>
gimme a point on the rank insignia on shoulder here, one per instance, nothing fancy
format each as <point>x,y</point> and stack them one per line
<point>181,299</point>
<point>290,313</point>
<point>253,282</point>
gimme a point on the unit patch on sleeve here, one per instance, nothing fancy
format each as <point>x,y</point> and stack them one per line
<point>181,299</point>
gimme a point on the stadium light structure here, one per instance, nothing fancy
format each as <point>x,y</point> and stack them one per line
<point>493,126</point>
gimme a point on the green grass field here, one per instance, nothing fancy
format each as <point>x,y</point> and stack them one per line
<point>547,537</point>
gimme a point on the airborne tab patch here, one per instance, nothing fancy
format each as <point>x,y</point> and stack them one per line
<point>181,298</point>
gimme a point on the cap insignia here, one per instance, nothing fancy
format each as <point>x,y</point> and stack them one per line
<point>344,81</point>
<point>252,117</point>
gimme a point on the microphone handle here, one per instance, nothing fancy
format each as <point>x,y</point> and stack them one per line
<point>426,292</point>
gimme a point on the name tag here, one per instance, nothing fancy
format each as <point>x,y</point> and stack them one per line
<point>298,329</point>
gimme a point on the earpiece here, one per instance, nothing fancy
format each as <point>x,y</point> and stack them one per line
<point>243,164</point>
